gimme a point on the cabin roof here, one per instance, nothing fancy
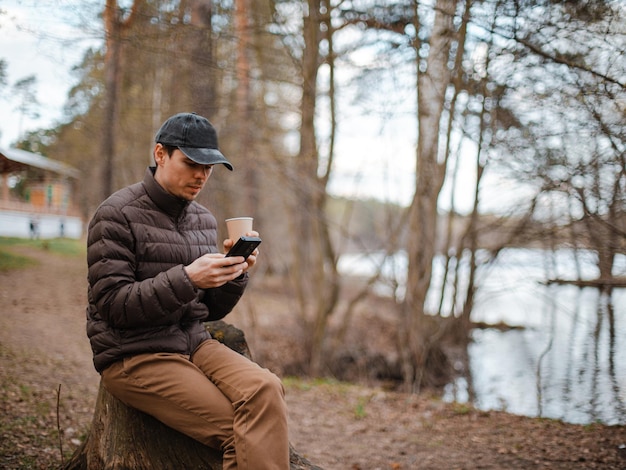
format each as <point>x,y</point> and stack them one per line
<point>13,159</point>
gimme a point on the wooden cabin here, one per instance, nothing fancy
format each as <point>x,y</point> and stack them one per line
<point>37,196</point>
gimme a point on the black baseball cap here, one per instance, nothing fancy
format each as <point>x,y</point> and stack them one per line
<point>195,136</point>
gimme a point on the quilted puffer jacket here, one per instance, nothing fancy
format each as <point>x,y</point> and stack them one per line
<point>140,298</point>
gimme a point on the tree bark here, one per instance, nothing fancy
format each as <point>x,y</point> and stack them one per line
<point>115,28</point>
<point>122,438</point>
<point>430,174</point>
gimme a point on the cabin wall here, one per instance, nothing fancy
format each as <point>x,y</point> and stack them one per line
<point>44,226</point>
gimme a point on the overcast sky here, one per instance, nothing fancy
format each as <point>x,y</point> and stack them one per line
<point>36,38</point>
<point>374,158</point>
<point>34,42</point>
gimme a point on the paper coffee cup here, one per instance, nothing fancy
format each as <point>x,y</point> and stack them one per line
<point>238,227</point>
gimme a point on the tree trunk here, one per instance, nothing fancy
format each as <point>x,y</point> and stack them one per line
<point>244,106</point>
<point>423,216</point>
<point>306,250</point>
<point>201,66</point>
<point>115,28</point>
<point>122,438</point>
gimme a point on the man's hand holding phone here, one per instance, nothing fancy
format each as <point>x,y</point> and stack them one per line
<point>246,247</point>
<point>214,269</point>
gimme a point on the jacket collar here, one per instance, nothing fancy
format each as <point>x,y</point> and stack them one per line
<point>171,205</point>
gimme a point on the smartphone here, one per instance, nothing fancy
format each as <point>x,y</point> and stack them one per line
<point>244,246</point>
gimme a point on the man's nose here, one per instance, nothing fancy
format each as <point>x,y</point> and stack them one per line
<point>203,172</point>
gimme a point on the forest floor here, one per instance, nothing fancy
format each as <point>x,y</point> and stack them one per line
<point>48,384</point>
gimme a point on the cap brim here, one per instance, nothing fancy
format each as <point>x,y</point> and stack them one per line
<point>206,156</point>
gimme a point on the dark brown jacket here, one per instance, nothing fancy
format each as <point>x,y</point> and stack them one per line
<point>140,298</point>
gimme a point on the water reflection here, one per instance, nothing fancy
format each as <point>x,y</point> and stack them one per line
<point>568,361</point>
<point>567,364</point>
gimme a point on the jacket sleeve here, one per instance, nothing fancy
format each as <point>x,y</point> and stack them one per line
<point>221,300</point>
<point>122,300</point>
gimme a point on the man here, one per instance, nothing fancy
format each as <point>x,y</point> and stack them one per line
<point>155,275</point>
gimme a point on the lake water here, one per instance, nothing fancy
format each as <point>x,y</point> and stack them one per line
<point>569,360</point>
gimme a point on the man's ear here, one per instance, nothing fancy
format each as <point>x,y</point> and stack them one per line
<point>159,154</point>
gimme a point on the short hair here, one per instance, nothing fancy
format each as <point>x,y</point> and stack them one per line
<point>169,149</point>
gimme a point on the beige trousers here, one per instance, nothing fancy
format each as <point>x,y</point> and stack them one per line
<point>216,396</point>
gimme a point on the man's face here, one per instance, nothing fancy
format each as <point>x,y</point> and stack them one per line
<point>179,175</point>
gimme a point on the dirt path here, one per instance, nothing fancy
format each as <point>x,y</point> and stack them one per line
<point>337,426</point>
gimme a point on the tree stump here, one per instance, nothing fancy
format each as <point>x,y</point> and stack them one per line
<point>122,438</point>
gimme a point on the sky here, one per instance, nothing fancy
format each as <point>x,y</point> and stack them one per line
<point>37,39</point>
<point>35,42</point>
<point>373,158</point>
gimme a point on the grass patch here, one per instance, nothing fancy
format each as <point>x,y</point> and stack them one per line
<point>308,384</point>
<point>10,260</point>
<point>462,408</point>
<point>65,246</point>
<point>359,409</point>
